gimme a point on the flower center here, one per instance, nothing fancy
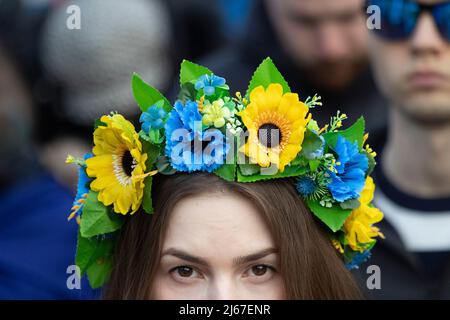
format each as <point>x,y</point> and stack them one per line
<point>128,163</point>
<point>269,135</point>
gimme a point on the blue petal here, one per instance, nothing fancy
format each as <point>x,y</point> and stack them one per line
<point>144,117</point>
<point>209,90</point>
<point>201,82</point>
<point>217,81</point>
<point>145,127</point>
<point>158,124</point>
<point>358,259</point>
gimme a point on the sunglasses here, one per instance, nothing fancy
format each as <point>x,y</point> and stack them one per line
<point>399,18</point>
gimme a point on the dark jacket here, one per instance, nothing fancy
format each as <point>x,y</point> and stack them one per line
<point>237,63</point>
<point>405,274</point>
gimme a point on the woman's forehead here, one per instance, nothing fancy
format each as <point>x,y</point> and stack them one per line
<point>211,221</point>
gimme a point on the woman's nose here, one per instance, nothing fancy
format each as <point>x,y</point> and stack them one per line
<point>223,288</point>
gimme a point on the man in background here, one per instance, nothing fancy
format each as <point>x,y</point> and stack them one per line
<point>411,60</point>
<point>320,46</point>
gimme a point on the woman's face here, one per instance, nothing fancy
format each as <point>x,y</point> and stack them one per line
<point>217,246</point>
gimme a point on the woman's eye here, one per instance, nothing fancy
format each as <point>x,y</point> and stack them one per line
<point>260,273</point>
<point>184,273</point>
<point>259,270</point>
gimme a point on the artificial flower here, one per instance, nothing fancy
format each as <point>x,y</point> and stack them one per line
<point>191,148</point>
<point>306,186</point>
<point>272,111</point>
<point>209,83</point>
<point>118,165</point>
<point>358,259</point>
<point>359,229</point>
<point>216,114</point>
<point>82,186</point>
<point>367,147</point>
<point>347,180</point>
<point>337,245</point>
<point>153,119</point>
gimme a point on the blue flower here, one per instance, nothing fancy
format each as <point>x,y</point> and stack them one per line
<point>82,189</point>
<point>209,83</point>
<point>192,149</point>
<point>348,180</point>
<point>153,118</point>
<point>306,186</point>
<point>358,259</point>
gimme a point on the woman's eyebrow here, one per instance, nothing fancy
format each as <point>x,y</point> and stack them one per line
<point>185,256</point>
<point>180,254</point>
<point>254,256</point>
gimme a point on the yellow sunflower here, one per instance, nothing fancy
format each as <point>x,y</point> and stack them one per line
<point>359,227</point>
<point>270,112</point>
<point>118,165</point>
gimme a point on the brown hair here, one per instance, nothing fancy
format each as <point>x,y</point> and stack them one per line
<point>309,265</point>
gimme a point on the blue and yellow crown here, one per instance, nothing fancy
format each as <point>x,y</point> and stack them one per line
<point>266,134</point>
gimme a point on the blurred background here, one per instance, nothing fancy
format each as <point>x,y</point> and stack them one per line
<point>55,81</point>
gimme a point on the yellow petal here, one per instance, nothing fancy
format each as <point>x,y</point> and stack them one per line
<point>368,191</point>
<point>98,162</point>
<point>122,203</point>
<point>103,182</point>
<point>286,102</point>
<point>273,95</point>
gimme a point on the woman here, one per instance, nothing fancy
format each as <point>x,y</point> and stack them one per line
<point>222,197</point>
<point>213,239</point>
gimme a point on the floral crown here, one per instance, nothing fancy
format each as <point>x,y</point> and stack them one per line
<point>266,134</point>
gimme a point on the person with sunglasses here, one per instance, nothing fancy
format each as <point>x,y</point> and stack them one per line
<point>410,56</point>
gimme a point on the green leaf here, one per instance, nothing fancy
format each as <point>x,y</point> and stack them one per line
<point>266,74</point>
<point>333,217</point>
<point>372,163</point>
<point>353,134</point>
<point>311,143</point>
<point>164,167</point>
<point>247,169</point>
<point>85,251</point>
<point>350,204</point>
<point>227,172</point>
<point>187,92</point>
<point>190,72</point>
<point>99,123</point>
<point>97,219</point>
<point>90,250</point>
<point>155,136</point>
<point>314,164</point>
<point>99,272</point>
<point>147,203</point>
<point>146,95</point>
<point>300,160</point>
<point>289,171</point>
<point>152,151</point>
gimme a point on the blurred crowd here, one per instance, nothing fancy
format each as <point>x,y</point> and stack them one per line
<point>54,82</point>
